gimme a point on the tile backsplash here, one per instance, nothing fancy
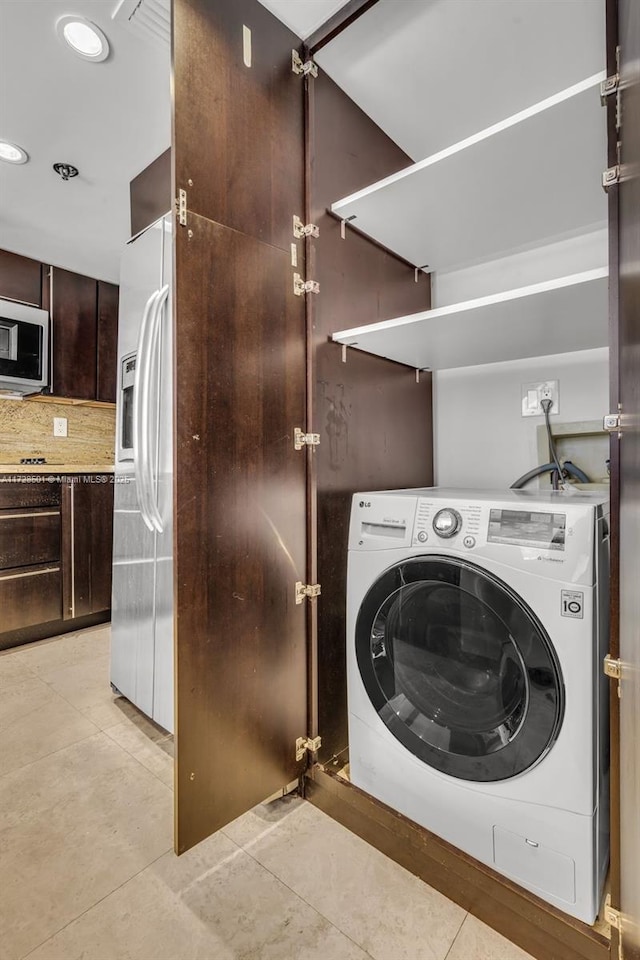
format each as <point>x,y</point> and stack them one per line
<point>26,430</point>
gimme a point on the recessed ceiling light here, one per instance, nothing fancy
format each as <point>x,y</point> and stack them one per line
<point>12,153</point>
<point>85,39</point>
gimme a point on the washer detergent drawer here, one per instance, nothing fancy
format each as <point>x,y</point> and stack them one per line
<point>537,866</point>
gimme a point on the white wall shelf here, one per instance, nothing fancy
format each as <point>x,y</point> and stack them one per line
<point>557,316</point>
<point>527,180</point>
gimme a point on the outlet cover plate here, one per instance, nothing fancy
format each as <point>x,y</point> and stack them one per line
<point>60,426</point>
<point>534,393</point>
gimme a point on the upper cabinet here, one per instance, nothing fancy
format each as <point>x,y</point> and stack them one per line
<point>500,110</point>
<point>20,278</point>
<point>84,324</point>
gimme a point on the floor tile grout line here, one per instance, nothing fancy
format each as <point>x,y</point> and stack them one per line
<point>46,756</point>
<point>453,942</point>
<point>300,897</point>
<point>133,757</point>
<point>25,956</point>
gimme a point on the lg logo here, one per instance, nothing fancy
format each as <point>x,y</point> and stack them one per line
<point>365,503</point>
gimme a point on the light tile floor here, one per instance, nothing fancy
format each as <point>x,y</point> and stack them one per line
<point>87,868</point>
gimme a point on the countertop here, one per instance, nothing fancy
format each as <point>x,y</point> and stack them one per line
<point>54,468</point>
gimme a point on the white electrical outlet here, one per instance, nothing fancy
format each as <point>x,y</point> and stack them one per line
<point>60,426</point>
<point>534,393</point>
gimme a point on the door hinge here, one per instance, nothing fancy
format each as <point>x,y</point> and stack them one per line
<point>303,68</point>
<point>301,229</point>
<point>304,744</point>
<point>182,208</point>
<point>302,439</point>
<point>306,591</point>
<point>612,668</point>
<point>613,423</point>
<point>611,176</point>
<point>608,87</point>
<point>300,286</point>
<point>612,916</point>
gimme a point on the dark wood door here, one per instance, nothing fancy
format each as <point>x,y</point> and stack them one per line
<point>74,334</point>
<point>240,353</point>
<point>20,278</point>
<point>107,335</point>
<point>627,363</point>
<point>87,537</point>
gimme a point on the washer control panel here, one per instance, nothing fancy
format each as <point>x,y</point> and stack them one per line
<point>442,524</point>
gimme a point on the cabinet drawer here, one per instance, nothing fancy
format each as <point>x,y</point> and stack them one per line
<point>30,595</point>
<point>29,537</point>
<point>15,493</point>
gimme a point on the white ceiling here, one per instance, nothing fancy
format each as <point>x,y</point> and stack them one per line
<point>109,119</point>
<point>303,16</point>
<point>432,72</point>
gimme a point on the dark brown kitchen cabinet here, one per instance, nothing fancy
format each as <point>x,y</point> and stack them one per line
<point>20,278</point>
<point>30,568</point>
<point>106,359</point>
<point>55,554</point>
<point>74,340</point>
<point>87,531</point>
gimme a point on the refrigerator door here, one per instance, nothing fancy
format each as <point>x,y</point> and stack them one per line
<point>134,544</point>
<point>163,488</point>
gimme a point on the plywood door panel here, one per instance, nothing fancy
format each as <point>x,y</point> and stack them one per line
<point>239,530</point>
<point>629,528</point>
<point>238,129</point>
<point>373,417</point>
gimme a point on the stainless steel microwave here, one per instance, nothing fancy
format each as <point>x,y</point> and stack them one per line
<point>24,347</point>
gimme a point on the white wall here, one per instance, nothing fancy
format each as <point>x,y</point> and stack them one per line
<point>481,438</point>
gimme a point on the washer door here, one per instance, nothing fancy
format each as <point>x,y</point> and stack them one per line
<point>459,668</point>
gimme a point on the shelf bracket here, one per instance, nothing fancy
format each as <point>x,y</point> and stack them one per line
<point>302,68</point>
<point>343,226</point>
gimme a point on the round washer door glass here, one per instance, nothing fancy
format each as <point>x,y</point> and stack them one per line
<point>459,668</point>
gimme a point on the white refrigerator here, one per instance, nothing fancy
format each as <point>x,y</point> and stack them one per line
<point>142,602</point>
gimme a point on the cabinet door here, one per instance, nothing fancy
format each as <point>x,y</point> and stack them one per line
<point>240,486</point>
<point>20,278</point>
<point>107,340</point>
<point>74,333</point>
<point>87,544</point>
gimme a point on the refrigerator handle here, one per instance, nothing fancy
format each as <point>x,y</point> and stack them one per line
<point>150,425</point>
<point>140,415</point>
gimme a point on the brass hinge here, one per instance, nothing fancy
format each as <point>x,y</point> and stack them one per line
<point>302,439</point>
<point>182,208</point>
<point>307,591</point>
<point>301,229</point>
<point>307,743</point>
<point>300,286</point>
<point>303,68</point>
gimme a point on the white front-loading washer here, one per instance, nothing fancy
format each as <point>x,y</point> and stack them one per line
<point>477,622</point>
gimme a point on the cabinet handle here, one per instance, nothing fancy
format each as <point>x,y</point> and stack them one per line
<point>22,516</point>
<point>30,573</point>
